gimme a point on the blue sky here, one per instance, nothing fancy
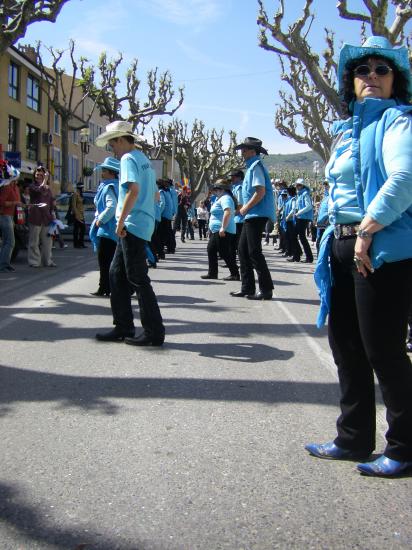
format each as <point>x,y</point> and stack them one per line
<point>209,46</point>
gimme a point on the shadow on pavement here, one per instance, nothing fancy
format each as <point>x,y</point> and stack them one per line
<point>33,525</point>
<point>94,394</point>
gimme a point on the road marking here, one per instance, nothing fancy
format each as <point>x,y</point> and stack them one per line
<point>327,361</point>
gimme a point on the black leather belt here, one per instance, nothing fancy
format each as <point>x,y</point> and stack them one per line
<point>343,231</point>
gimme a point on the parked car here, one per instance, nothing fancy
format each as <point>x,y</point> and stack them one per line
<point>62,206</point>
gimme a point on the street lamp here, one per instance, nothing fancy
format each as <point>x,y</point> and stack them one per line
<point>84,146</point>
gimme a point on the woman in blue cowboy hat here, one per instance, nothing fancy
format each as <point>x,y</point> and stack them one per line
<point>367,254</point>
<point>103,229</point>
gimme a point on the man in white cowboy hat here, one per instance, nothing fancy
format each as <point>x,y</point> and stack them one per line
<point>258,207</point>
<point>135,216</point>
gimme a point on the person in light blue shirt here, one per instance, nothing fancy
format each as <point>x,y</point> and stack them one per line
<point>103,229</point>
<point>364,268</point>
<point>293,249</point>
<point>135,216</point>
<point>222,230</point>
<point>258,206</point>
<point>322,219</point>
<point>166,237</point>
<point>304,214</point>
<point>237,177</point>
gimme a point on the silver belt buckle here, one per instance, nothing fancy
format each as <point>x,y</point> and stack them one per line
<point>337,231</point>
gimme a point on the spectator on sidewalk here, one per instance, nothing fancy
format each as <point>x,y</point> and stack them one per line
<point>79,224</point>
<point>41,214</point>
<point>202,219</point>
<point>9,199</point>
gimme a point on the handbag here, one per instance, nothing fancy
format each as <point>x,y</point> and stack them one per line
<point>19,217</point>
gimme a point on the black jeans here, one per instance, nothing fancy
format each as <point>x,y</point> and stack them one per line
<point>251,257</point>
<point>167,238</point>
<point>180,222</point>
<point>202,229</point>
<point>225,247</point>
<point>105,255</point>
<point>301,228</point>
<point>367,335</point>
<point>129,268</point>
<point>292,246</point>
<point>78,233</point>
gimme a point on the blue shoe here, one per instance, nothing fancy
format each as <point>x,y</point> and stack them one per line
<point>385,467</point>
<point>333,452</point>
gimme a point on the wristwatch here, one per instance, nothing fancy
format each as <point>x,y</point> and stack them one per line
<point>363,234</point>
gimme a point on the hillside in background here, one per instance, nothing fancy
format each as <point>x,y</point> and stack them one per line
<point>293,165</point>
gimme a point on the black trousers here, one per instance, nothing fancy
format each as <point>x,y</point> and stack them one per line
<point>282,238</point>
<point>105,255</point>
<point>129,268</point>
<point>78,233</point>
<point>292,246</point>
<point>202,229</point>
<point>180,222</point>
<point>301,228</point>
<point>251,257</point>
<point>225,247</point>
<point>367,335</point>
<point>239,227</point>
<point>269,226</point>
<point>167,239</point>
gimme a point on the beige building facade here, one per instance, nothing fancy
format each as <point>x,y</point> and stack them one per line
<point>30,130</point>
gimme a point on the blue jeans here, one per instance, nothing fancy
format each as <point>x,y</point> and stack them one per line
<point>7,236</point>
<point>128,273</point>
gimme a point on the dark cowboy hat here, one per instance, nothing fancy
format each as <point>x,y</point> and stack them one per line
<point>252,143</point>
<point>222,183</point>
<point>237,174</point>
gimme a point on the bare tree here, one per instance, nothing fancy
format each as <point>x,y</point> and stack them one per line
<point>200,153</point>
<point>17,15</point>
<point>306,115</point>
<point>104,83</point>
<point>66,95</point>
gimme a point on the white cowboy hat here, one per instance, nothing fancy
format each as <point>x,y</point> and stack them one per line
<point>116,129</point>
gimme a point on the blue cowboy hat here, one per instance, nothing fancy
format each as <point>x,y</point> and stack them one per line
<point>377,46</point>
<point>110,163</point>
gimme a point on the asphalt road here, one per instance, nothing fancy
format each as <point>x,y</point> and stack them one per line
<point>195,446</point>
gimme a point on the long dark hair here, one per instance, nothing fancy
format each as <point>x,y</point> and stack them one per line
<point>400,83</point>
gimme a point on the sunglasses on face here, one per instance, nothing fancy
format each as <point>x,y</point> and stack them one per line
<point>379,70</point>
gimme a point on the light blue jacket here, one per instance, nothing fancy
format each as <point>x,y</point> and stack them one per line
<point>383,173</point>
<point>304,205</point>
<point>322,219</point>
<point>383,181</point>
<point>166,204</point>
<point>105,201</point>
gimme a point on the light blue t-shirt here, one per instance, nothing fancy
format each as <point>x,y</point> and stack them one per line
<point>237,192</point>
<point>343,201</point>
<point>216,214</point>
<point>258,176</point>
<point>135,167</point>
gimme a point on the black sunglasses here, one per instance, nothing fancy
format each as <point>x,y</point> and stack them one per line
<point>365,70</point>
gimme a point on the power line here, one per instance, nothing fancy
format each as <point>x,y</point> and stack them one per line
<point>225,77</point>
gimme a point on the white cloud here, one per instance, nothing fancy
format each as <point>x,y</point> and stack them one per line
<point>183,12</point>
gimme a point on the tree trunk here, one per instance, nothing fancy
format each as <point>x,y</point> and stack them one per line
<point>65,154</point>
